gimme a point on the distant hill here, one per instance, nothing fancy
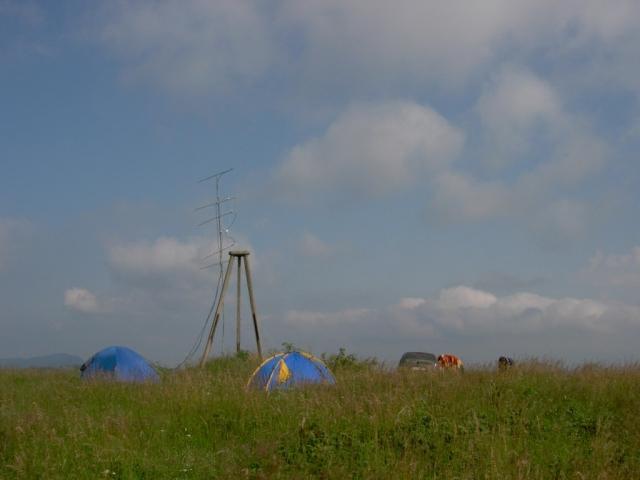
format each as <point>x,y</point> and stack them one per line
<point>56,360</point>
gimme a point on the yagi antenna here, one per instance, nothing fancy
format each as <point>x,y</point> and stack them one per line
<point>223,230</point>
<point>225,241</point>
<point>225,214</point>
<point>215,175</point>
<point>213,204</point>
<point>238,257</point>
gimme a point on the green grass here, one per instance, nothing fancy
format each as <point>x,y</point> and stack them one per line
<point>534,421</point>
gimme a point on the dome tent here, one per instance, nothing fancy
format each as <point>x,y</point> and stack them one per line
<point>118,363</point>
<point>289,370</point>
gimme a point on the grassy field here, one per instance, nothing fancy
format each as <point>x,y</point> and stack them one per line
<point>534,421</point>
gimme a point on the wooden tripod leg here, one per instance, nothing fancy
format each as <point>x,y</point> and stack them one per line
<point>238,306</point>
<point>216,316</point>
<point>253,305</point>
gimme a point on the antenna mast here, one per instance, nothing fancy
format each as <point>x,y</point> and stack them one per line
<point>218,218</point>
<point>223,231</point>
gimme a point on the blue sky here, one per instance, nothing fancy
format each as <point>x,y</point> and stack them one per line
<point>419,177</point>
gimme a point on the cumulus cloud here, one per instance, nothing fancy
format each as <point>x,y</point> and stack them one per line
<point>502,282</point>
<point>410,303</point>
<point>464,297</point>
<point>162,256</point>
<point>413,42</point>
<point>171,258</point>
<point>190,46</point>
<point>304,318</point>
<point>81,300</point>
<point>312,246</point>
<point>616,271</point>
<point>469,311</point>
<point>372,150</point>
<point>516,108</point>
<point>610,35</point>
<point>379,40</point>
<point>458,196</point>
<point>167,274</point>
<point>559,223</point>
<point>539,149</point>
<point>466,311</point>
<point>538,155</point>
<point>196,47</point>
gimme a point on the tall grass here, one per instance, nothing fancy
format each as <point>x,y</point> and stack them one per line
<point>538,420</point>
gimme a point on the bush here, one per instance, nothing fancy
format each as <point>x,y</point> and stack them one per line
<point>347,361</point>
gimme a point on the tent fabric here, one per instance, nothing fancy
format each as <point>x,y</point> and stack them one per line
<point>119,363</point>
<point>288,370</point>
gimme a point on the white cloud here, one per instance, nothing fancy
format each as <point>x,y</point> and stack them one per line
<point>539,154</point>
<point>522,115</point>
<point>519,100</point>
<point>464,297</point>
<point>502,282</point>
<point>463,198</point>
<point>606,40</point>
<point>172,258</point>
<point>164,255</point>
<point>303,318</point>
<point>470,312</point>
<point>199,47</point>
<point>410,303</point>
<point>559,223</point>
<point>312,246</point>
<point>515,106</point>
<point>372,150</point>
<point>189,46</point>
<point>415,42</point>
<point>81,300</point>
<point>375,149</point>
<point>476,312</point>
<point>168,274</point>
<point>411,39</point>
<point>615,270</point>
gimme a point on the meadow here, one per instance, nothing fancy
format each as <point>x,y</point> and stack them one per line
<point>537,420</point>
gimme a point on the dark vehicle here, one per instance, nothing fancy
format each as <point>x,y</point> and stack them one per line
<point>418,361</point>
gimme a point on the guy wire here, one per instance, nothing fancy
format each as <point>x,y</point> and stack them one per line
<point>198,342</point>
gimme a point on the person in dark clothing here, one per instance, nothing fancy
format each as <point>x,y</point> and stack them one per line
<point>505,363</point>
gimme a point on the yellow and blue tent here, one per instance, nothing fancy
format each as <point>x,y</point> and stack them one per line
<point>289,370</point>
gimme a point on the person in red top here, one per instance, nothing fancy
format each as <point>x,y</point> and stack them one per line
<point>447,360</point>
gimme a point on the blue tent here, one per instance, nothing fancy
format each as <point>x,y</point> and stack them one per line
<point>119,363</point>
<point>290,369</point>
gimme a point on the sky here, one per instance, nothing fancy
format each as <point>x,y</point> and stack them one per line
<point>408,176</point>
